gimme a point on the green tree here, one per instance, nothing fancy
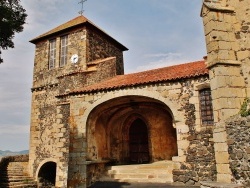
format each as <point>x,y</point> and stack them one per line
<point>12,19</point>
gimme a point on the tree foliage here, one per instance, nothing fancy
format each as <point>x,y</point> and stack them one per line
<point>12,19</point>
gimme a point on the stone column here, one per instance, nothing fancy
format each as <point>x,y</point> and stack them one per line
<point>62,136</point>
<point>77,172</point>
<point>226,81</point>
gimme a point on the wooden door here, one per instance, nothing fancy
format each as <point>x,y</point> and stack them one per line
<point>138,142</point>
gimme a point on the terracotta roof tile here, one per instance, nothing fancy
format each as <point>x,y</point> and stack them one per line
<point>175,72</point>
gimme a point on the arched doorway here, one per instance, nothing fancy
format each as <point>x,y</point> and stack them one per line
<point>108,131</point>
<point>138,142</point>
<point>47,174</point>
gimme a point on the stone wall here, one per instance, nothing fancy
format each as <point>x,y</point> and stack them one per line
<point>99,47</point>
<point>226,27</point>
<point>17,158</point>
<point>242,35</point>
<point>238,140</point>
<point>50,131</point>
<point>193,141</point>
<point>96,71</point>
<point>200,163</point>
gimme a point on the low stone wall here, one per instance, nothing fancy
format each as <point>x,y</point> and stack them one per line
<point>238,131</point>
<point>17,158</point>
<point>200,163</point>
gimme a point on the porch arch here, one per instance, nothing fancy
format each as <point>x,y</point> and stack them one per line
<point>108,129</point>
<point>178,117</point>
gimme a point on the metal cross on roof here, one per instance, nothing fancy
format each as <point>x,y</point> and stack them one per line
<point>82,1</point>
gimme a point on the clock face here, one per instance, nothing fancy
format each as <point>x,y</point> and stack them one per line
<point>74,58</point>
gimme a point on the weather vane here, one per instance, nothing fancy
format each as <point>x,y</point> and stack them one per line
<point>82,1</point>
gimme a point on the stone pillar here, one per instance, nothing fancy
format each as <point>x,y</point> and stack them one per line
<point>77,176</point>
<point>226,81</point>
<point>62,136</point>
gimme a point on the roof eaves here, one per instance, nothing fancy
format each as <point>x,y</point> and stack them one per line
<point>135,84</point>
<point>85,22</point>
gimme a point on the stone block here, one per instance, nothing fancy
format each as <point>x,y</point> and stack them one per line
<point>227,113</point>
<point>179,158</point>
<point>213,46</point>
<point>243,55</point>
<point>222,157</point>
<point>220,137</point>
<point>60,144</point>
<point>224,92</point>
<point>183,144</point>
<point>223,169</point>
<point>224,45</point>
<point>226,103</point>
<point>180,152</point>
<point>223,55</point>
<point>60,135</point>
<point>221,147</point>
<point>224,178</point>
<point>236,81</point>
<point>235,46</point>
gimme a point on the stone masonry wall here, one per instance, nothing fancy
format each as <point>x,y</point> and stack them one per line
<point>226,26</point>
<point>193,142</point>
<point>50,137</point>
<point>200,163</point>
<point>100,48</point>
<point>96,71</point>
<point>238,140</point>
<point>227,83</point>
<point>242,35</point>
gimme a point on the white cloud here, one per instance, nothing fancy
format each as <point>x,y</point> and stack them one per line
<point>14,129</point>
<point>159,60</point>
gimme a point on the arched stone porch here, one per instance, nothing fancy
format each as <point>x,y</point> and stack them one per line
<point>109,126</point>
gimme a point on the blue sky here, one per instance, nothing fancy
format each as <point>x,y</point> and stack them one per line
<point>157,33</point>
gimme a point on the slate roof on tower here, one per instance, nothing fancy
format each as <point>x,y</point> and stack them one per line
<point>74,23</point>
<point>171,73</point>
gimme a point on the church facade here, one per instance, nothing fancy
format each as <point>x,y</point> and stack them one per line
<point>87,114</point>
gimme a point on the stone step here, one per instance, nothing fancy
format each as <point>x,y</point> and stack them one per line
<point>15,178</point>
<point>24,185</point>
<point>15,171</point>
<point>30,182</point>
<point>16,175</point>
<point>160,172</point>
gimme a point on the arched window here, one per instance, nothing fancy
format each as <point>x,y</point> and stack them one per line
<point>206,108</point>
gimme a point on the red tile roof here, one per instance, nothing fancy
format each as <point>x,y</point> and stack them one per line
<point>80,20</point>
<point>188,70</point>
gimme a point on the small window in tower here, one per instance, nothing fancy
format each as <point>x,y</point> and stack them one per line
<point>206,107</point>
<point>64,50</point>
<point>52,53</point>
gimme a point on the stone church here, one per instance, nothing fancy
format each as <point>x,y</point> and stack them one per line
<point>90,121</point>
